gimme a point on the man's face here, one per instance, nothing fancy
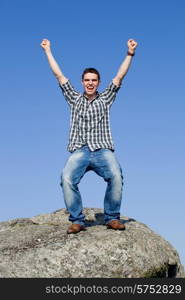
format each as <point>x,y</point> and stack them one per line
<point>90,83</point>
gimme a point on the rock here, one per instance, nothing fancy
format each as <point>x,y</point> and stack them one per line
<point>39,247</point>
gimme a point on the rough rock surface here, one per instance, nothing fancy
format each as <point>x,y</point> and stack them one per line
<point>40,247</point>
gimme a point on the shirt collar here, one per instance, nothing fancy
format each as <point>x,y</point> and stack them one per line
<point>97,95</point>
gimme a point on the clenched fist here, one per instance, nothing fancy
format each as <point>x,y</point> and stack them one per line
<point>45,44</point>
<point>132,44</point>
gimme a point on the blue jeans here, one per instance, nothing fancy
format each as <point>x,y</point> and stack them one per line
<point>104,163</point>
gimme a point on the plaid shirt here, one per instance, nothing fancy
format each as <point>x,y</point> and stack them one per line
<point>90,121</point>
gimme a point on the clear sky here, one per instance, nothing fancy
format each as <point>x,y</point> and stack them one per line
<point>147,118</point>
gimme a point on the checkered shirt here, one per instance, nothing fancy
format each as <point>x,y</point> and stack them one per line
<point>90,120</point>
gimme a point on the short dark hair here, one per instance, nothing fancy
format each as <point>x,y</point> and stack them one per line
<point>91,70</point>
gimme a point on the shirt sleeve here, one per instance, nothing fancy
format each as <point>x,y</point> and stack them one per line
<point>109,94</point>
<point>69,92</point>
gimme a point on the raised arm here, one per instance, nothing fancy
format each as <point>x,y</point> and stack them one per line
<point>46,45</point>
<point>126,62</point>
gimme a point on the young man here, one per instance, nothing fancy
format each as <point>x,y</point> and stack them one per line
<point>90,140</point>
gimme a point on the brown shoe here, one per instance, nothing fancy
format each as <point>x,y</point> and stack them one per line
<point>116,225</point>
<point>75,228</point>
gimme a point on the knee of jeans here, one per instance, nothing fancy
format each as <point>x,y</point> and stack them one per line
<point>69,179</point>
<point>65,179</point>
<point>117,178</point>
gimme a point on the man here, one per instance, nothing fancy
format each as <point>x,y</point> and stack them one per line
<point>90,140</point>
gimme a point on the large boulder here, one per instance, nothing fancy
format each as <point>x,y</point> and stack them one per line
<point>40,247</point>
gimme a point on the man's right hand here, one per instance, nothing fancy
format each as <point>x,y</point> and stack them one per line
<point>45,44</point>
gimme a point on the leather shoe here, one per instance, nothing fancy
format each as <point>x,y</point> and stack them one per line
<point>75,228</point>
<point>116,225</point>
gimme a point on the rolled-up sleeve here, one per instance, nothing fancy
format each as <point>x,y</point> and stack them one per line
<point>69,92</point>
<point>109,94</point>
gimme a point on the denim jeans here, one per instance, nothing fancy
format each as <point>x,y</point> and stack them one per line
<point>104,163</point>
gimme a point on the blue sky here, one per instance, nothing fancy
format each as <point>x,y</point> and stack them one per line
<point>147,118</point>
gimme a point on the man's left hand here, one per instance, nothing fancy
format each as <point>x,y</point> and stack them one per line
<point>132,44</point>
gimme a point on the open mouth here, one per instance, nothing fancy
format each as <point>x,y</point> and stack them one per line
<point>90,88</point>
